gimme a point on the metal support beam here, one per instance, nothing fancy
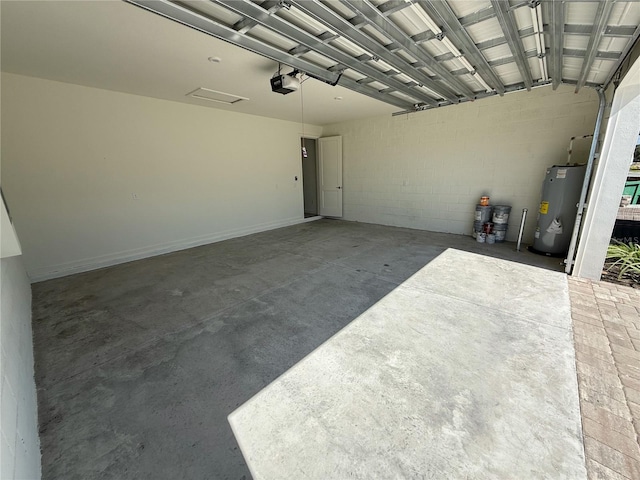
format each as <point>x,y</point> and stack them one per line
<point>442,11</point>
<point>577,53</point>
<point>505,60</point>
<point>209,26</point>
<point>420,38</point>
<point>392,6</point>
<point>494,42</point>
<point>262,17</point>
<point>556,12</point>
<point>246,24</point>
<point>358,21</point>
<point>508,89</point>
<point>509,27</point>
<point>381,23</point>
<point>477,17</point>
<point>602,19</point>
<point>330,19</point>
<point>623,55</point>
<point>570,29</point>
<point>611,31</point>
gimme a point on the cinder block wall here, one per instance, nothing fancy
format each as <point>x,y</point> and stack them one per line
<point>428,170</point>
<point>19,442</point>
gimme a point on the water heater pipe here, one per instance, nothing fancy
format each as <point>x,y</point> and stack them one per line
<point>570,260</point>
<point>524,219</point>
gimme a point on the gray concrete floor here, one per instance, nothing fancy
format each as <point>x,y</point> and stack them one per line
<point>139,365</point>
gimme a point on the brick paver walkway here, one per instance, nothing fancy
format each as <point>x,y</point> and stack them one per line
<point>606,327</point>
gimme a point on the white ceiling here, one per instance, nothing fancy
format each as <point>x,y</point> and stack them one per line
<point>117,46</point>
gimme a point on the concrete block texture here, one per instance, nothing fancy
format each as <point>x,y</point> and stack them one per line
<point>19,439</point>
<point>499,147</point>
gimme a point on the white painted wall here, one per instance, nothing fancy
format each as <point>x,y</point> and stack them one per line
<point>428,170</point>
<point>611,172</point>
<point>73,156</point>
<point>19,442</point>
<point>9,244</point>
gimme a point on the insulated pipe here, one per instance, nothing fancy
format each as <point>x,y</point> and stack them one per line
<point>524,219</point>
<point>569,261</point>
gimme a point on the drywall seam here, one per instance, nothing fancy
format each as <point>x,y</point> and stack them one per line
<point>87,264</point>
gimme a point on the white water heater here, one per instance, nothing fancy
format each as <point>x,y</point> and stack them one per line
<point>558,209</point>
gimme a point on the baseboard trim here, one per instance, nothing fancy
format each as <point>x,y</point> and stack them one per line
<point>311,219</point>
<point>88,264</point>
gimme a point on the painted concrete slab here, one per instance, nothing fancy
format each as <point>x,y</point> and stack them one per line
<point>439,379</point>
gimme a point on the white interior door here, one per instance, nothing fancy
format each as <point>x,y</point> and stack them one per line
<point>330,176</point>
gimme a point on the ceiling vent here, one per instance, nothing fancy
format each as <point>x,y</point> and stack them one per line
<point>215,96</point>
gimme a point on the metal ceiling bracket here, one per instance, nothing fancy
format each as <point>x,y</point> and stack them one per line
<point>602,18</point>
<point>507,22</point>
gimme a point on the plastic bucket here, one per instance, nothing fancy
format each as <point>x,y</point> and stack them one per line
<point>477,228</point>
<point>491,238</point>
<point>500,231</point>
<point>480,238</point>
<point>483,213</point>
<point>501,214</point>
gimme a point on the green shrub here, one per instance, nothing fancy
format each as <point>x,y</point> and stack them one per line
<point>626,257</point>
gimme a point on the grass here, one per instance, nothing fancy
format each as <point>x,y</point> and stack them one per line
<point>625,258</point>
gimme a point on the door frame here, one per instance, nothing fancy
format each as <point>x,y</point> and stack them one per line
<point>321,166</point>
<point>315,139</point>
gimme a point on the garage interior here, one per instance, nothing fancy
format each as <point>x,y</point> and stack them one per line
<point>191,312</point>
